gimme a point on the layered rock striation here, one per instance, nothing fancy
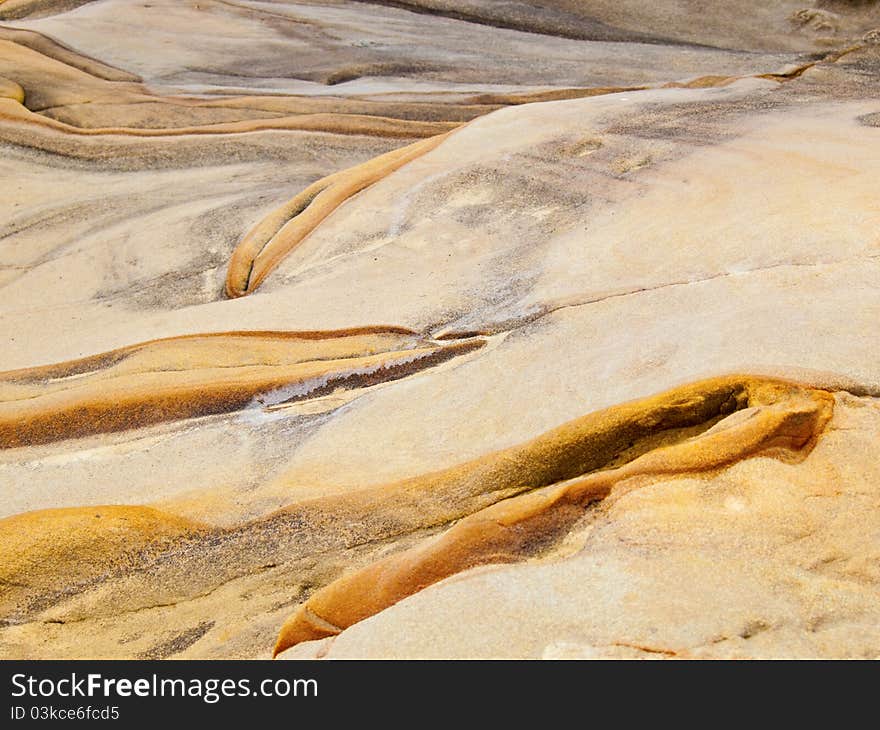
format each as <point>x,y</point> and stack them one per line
<point>439,329</point>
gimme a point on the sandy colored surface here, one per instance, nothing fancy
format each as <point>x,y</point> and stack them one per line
<point>762,559</point>
<point>455,329</point>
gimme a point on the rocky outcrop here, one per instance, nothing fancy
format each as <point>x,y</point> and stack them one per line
<point>439,329</point>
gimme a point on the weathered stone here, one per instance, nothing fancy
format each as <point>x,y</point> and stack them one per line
<point>554,331</point>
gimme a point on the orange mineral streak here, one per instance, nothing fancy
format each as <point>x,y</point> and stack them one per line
<point>51,50</point>
<point>511,505</point>
<point>372,126</point>
<point>570,468</point>
<point>702,82</point>
<point>54,549</point>
<point>197,375</point>
<point>278,233</point>
<point>282,230</point>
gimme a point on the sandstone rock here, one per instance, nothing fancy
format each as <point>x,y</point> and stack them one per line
<point>763,559</point>
<point>553,331</point>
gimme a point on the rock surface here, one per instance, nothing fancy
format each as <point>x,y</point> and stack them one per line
<point>314,290</point>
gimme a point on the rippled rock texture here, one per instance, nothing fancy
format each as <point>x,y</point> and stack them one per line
<point>439,329</point>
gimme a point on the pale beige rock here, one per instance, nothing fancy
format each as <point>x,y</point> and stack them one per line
<point>760,560</point>
<point>605,248</point>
